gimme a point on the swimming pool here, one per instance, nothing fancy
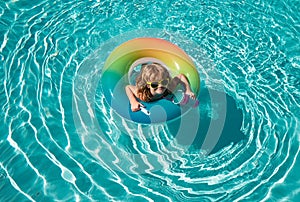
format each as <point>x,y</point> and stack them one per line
<point>60,140</point>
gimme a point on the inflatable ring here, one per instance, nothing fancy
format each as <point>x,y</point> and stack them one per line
<point>119,65</point>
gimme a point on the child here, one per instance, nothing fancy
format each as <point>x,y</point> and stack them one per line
<point>154,82</point>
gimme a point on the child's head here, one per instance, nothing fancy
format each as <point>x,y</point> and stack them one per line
<point>152,81</point>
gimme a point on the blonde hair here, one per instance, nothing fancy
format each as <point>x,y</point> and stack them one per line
<point>150,72</point>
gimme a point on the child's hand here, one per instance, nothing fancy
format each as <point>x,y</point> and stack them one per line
<point>136,106</point>
<point>191,94</point>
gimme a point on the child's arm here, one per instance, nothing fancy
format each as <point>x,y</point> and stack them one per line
<point>181,78</point>
<point>131,94</point>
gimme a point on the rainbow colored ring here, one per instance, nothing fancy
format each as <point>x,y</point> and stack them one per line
<point>119,63</point>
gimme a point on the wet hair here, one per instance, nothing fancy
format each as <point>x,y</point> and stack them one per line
<point>150,72</point>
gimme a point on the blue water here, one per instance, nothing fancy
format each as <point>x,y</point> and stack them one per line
<point>60,140</point>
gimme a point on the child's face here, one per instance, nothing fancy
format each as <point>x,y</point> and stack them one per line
<point>158,87</point>
<point>158,91</point>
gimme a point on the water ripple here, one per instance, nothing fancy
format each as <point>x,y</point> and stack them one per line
<point>248,59</point>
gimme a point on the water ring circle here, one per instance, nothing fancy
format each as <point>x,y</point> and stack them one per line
<point>95,121</point>
<point>119,67</point>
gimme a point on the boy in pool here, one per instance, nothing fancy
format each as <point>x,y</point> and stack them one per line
<point>153,83</point>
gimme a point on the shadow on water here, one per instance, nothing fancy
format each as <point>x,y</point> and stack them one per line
<point>221,113</point>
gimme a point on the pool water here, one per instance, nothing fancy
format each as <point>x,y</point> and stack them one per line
<point>60,140</point>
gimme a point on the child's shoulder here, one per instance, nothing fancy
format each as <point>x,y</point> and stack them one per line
<point>174,82</point>
<point>132,87</point>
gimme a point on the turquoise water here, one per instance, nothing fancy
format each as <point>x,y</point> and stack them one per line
<point>60,140</point>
